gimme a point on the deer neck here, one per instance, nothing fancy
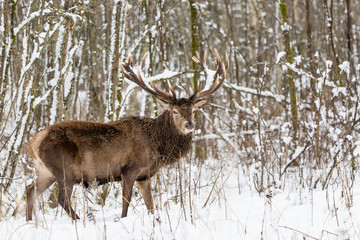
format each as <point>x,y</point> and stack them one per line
<point>170,143</point>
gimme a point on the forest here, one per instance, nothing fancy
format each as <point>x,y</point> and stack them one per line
<point>284,125</point>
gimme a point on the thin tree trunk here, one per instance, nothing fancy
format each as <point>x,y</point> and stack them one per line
<point>200,147</point>
<point>63,100</point>
<point>113,105</point>
<point>10,161</point>
<point>330,21</point>
<point>310,54</point>
<point>115,64</point>
<point>290,73</point>
<point>3,81</point>
<point>194,37</point>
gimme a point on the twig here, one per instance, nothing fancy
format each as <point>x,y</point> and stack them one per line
<point>326,231</point>
<point>297,231</point>
<point>222,186</point>
<point>212,189</point>
<point>25,224</point>
<point>8,178</point>
<point>294,160</point>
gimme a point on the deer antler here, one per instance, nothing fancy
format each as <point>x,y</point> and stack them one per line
<point>220,71</point>
<point>127,70</point>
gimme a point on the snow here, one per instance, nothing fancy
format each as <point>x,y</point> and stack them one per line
<point>253,91</point>
<point>357,149</point>
<point>298,151</point>
<point>164,75</point>
<point>289,214</point>
<point>27,20</point>
<point>297,59</point>
<point>345,68</point>
<point>337,90</point>
<point>328,63</point>
<point>285,27</point>
<point>279,56</point>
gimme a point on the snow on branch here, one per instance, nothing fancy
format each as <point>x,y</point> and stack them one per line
<point>277,97</point>
<point>164,75</point>
<point>31,17</point>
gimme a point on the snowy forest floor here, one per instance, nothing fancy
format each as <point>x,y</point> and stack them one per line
<point>225,208</point>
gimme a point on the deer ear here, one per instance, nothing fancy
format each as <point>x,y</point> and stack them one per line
<point>200,103</point>
<point>164,104</point>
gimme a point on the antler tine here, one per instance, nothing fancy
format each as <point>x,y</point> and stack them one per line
<point>160,94</point>
<point>141,81</point>
<point>137,78</point>
<point>171,89</point>
<point>202,62</point>
<point>217,56</point>
<point>198,56</point>
<point>227,62</point>
<point>220,71</point>
<point>143,60</point>
<point>197,89</point>
<point>167,95</point>
<point>129,59</point>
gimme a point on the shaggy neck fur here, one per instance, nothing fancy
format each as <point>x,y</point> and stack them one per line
<point>170,143</point>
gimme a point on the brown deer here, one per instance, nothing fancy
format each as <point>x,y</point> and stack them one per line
<point>131,149</point>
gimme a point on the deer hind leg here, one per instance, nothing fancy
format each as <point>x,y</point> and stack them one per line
<point>145,189</point>
<point>65,191</point>
<point>43,182</point>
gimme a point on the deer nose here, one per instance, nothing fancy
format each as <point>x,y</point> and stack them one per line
<point>189,125</point>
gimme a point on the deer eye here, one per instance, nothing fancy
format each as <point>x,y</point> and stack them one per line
<point>175,112</point>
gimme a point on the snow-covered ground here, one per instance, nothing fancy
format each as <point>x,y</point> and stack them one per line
<point>216,212</point>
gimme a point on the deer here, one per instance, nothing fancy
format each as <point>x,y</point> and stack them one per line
<point>132,149</point>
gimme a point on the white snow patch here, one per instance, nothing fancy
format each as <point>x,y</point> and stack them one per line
<point>297,59</point>
<point>285,27</point>
<point>279,56</point>
<point>164,75</point>
<point>328,64</point>
<point>282,215</point>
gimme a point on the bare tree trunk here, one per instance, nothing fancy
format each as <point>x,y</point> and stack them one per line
<point>3,81</point>
<point>200,147</point>
<point>12,159</point>
<point>114,97</point>
<point>96,106</point>
<point>194,37</point>
<point>348,30</point>
<point>349,40</point>
<point>290,74</point>
<point>162,35</point>
<point>310,54</point>
<point>330,21</point>
<point>62,99</point>
<point>149,21</point>
<point>115,64</point>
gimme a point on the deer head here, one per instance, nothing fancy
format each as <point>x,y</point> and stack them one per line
<point>182,110</point>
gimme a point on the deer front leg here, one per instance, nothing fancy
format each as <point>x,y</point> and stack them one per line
<point>127,186</point>
<point>145,189</point>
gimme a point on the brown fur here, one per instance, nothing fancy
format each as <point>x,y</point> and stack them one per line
<point>131,149</point>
